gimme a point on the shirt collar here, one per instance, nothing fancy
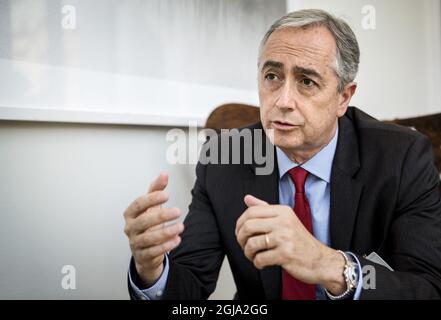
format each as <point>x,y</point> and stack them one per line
<point>319,165</point>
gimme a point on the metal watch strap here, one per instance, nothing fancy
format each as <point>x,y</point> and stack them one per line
<point>351,278</point>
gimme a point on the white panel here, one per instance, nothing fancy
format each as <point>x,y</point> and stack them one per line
<point>168,60</point>
<point>39,92</point>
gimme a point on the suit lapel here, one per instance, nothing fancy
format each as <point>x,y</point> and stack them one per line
<point>266,187</point>
<point>345,189</point>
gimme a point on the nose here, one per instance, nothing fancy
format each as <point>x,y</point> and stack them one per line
<point>287,97</point>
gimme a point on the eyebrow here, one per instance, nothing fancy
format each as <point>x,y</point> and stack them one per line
<point>272,64</point>
<point>295,69</point>
<point>307,72</point>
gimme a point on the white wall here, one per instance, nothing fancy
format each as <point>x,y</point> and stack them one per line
<point>64,187</point>
<point>63,191</point>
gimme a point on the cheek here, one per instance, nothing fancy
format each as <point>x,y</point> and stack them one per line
<point>315,120</point>
<point>321,110</point>
<point>319,122</point>
<point>263,113</point>
<point>265,108</point>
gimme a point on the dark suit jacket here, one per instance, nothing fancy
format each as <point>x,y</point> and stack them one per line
<point>384,198</point>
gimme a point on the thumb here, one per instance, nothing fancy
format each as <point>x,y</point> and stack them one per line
<point>251,201</point>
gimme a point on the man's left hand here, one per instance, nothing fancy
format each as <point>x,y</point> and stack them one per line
<point>273,235</point>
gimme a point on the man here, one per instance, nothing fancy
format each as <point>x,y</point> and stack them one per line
<point>344,186</point>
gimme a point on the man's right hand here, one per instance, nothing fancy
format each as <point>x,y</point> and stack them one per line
<point>148,235</point>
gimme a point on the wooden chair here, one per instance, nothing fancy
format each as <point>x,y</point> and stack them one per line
<point>232,115</point>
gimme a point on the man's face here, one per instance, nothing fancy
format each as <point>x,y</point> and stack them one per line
<point>298,88</point>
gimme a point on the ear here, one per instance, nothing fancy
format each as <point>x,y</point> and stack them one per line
<point>345,97</point>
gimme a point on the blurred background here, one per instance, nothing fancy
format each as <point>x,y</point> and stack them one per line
<point>90,88</point>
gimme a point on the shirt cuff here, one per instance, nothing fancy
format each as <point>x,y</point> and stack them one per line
<point>357,292</point>
<point>154,292</point>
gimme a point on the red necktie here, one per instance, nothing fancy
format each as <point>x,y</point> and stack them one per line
<point>293,289</point>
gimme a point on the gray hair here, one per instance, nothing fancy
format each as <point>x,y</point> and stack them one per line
<point>347,53</point>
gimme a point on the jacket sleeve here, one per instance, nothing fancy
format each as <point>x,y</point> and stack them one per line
<point>414,239</point>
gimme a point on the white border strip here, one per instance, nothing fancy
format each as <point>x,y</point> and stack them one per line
<point>74,116</point>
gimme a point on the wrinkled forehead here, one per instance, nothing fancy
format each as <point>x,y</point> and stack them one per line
<point>311,46</point>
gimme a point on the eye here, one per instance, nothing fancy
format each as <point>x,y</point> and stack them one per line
<point>271,77</point>
<point>308,82</point>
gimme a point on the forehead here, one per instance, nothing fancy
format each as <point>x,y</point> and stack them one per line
<point>313,46</point>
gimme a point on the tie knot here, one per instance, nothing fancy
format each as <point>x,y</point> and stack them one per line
<point>298,176</point>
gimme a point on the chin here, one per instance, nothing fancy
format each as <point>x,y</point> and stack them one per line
<point>288,142</point>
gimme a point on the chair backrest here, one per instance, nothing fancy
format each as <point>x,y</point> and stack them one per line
<point>232,115</point>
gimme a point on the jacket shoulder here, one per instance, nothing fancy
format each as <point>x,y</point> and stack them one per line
<point>382,133</point>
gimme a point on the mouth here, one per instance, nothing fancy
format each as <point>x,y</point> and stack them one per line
<point>283,125</point>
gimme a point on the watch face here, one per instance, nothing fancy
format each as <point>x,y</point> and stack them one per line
<point>351,275</point>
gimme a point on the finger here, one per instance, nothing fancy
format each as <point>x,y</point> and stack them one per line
<point>154,219</point>
<point>253,227</point>
<point>152,238</point>
<point>267,211</point>
<point>144,202</point>
<point>256,244</point>
<point>266,258</point>
<point>160,249</point>
<point>158,226</point>
<point>251,201</point>
<point>159,183</point>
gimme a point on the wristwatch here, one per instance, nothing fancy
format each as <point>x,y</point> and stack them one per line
<point>350,273</point>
